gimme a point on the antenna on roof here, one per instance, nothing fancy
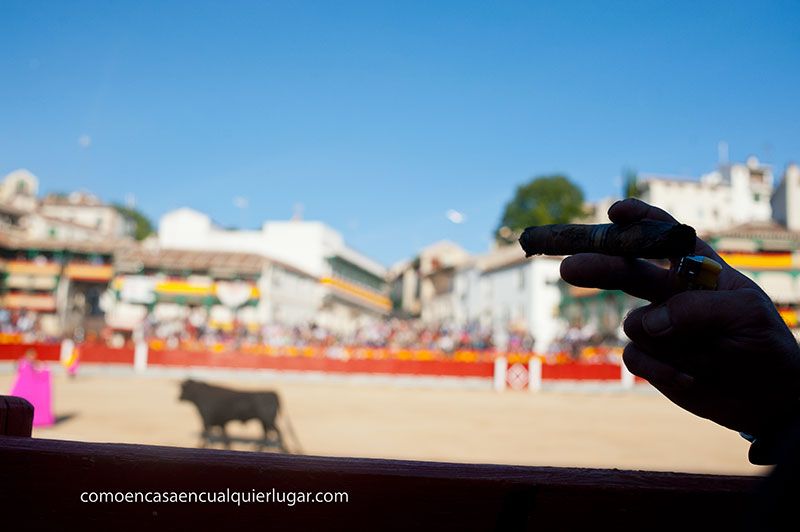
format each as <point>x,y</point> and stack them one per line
<point>297,212</point>
<point>722,152</point>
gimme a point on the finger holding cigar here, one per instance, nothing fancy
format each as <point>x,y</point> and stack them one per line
<point>647,239</point>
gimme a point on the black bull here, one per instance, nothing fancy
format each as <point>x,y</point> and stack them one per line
<point>217,406</point>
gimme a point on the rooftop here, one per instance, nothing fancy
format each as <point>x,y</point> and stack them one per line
<point>759,230</point>
<point>180,259</point>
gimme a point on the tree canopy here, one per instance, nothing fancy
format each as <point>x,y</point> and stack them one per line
<point>630,183</point>
<point>142,225</point>
<point>544,200</point>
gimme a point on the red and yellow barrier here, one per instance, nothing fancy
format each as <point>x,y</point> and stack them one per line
<point>759,261</point>
<point>420,362</point>
<point>789,316</point>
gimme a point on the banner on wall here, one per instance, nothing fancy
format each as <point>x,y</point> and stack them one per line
<point>138,289</point>
<point>233,294</point>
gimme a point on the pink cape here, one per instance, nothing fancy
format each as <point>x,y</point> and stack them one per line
<point>35,385</point>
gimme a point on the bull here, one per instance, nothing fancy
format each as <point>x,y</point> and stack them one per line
<point>217,406</point>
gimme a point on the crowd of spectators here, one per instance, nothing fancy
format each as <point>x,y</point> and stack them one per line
<point>393,333</point>
<point>579,337</point>
<point>23,326</point>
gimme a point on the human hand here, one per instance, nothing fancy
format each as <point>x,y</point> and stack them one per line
<point>724,355</point>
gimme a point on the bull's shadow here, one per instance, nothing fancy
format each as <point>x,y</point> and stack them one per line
<point>212,438</point>
<point>218,406</point>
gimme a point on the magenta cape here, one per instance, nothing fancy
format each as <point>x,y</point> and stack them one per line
<point>35,385</point>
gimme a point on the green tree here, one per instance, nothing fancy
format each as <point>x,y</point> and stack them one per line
<point>543,200</point>
<point>142,225</point>
<point>630,183</point>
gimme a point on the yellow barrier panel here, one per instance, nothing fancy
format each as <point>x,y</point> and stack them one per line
<point>764,261</point>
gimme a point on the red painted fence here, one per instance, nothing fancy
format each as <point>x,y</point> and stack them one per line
<point>101,354</point>
<point>46,352</point>
<point>327,365</point>
<point>576,371</point>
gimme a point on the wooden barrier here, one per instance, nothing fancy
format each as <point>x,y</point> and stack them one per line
<point>16,416</point>
<point>577,371</point>
<point>321,364</point>
<point>99,353</point>
<point>92,353</point>
<point>43,482</point>
<point>49,352</point>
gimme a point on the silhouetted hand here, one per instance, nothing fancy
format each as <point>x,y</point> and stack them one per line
<point>725,355</point>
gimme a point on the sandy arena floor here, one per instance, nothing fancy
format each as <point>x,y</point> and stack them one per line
<point>631,430</point>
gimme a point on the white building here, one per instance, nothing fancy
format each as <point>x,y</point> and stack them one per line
<point>500,291</point>
<point>786,199</point>
<point>84,210</point>
<point>732,195</point>
<point>423,287</point>
<point>211,286</point>
<point>79,216</point>
<point>38,226</point>
<point>18,190</point>
<point>351,286</point>
<point>505,291</point>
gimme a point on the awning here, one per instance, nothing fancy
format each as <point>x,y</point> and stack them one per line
<point>39,302</point>
<point>357,293</point>
<point>89,272</point>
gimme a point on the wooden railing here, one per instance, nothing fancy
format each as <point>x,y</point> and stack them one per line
<point>16,416</point>
<point>43,482</point>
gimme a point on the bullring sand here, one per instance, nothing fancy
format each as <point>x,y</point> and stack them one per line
<point>630,430</point>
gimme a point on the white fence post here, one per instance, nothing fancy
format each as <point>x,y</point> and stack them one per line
<point>67,347</point>
<point>140,357</point>
<point>500,371</point>
<point>535,374</point>
<point>626,377</point>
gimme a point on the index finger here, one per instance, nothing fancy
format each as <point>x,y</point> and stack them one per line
<point>633,210</point>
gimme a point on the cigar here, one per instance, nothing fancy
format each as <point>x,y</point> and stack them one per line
<point>646,239</point>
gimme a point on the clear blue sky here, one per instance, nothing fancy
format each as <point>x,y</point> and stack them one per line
<point>380,116</point>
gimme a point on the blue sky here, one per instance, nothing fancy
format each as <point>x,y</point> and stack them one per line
<point>378,117</point>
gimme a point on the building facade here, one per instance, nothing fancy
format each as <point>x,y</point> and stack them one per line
<point>785,201</point>
<point>731,195</point>
<point>56,255</point>
<point>424,286</point>
<point>351,287</point>
<point>59,284</point>
<point>510,295</point>
<point>500,293</point>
